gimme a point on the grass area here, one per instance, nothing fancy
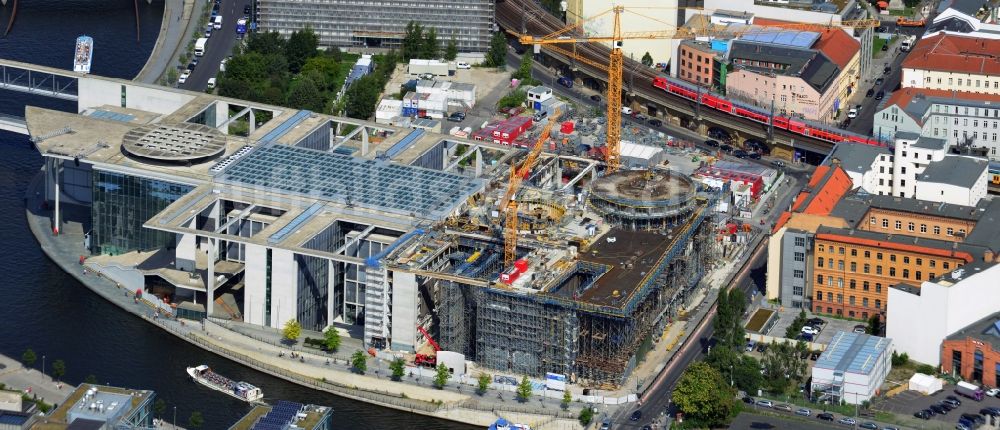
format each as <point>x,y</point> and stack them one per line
<point>758,320</point>
<point>877,45</point>
<point>798,400</point>
<point>251,417</point>
<point>902,12</point>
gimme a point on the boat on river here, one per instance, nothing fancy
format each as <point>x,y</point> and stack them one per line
<point>238,389</point>
<point>84,54</point>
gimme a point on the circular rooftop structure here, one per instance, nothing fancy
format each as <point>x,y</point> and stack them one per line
<point>643,199</point>
<point>174,142</point>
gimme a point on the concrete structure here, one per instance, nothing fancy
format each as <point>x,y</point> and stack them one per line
<point>286,414</point>
<point>578,11</point>
<point>919,319</point>
<point>961,118</point>
<point>381,24</point>
<point>953,63</point>
<point>960,17</point>
<point>377,230</point>
<point>973,352</point>
<point>102,407</point>
<point>852,368</point>
<point>10,401</point>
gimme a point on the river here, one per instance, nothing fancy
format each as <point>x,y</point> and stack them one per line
<point>47,310</point>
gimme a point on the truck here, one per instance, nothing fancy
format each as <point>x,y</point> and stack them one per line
<point>565,81</point>
<point>971,391</point>
<point>907,43</point>
<point>904,22</point>
<point>199,46</point>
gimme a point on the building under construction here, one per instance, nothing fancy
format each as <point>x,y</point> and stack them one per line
<point>388,233</point>
<point>381,23</point>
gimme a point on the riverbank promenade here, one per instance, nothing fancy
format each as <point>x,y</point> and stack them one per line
<point>175,29</point>
<point>31,381</point>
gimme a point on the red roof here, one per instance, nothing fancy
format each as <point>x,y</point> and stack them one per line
<point>950,53</point>
<point>896,246</point>
<point>903,97</point>
<point>833,183</point>
<point>839,46</point>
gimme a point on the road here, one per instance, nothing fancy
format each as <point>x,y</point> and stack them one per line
<point>866,117</point>
<point>219,46</point>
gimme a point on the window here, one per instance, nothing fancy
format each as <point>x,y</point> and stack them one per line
<point>906,259</point>
<point>841,250</point>
<point>829,296</point>
<point>821,247</point>
<point>800,241</point>
<point>937,230</point>
<point>840,283</point>
<point>797,290</point>
<point>865,285</point>
<point>851,300</point>
<point>918,276</point>
<point>878,287</point>
<point>868,268</point>
<point>961,232</point>
<point>930,275</point>
<point>923,228</point>
<point>840,298</point>
<point>819,262</point>
<point>878,303</point>
<point>945,265</point>
<point>840,265</point>
<point>899,224</point>
<point>903,169</point>
<point>829,281</point>
<point>932,263</point>
<point>800,256</point>
<point>878,256</point>
<point>864,302</point>
<point>892,258</point>
<point>906,273</point>
<point>868,254</point>
<point>885,223</point>
<point>819,279</point>
<point>920,261</point>
<point>854,252</point>
<point>854,267</point>
<point>853,284</point>
<point>892,272</point>
<point>910,226</point>
<point>798,274</point>
<point>950,231</point>
<point>872,220</point>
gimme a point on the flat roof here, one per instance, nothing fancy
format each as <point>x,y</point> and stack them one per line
<point>857,157</point>
<point>377,184</point>
<point>644,248</point>
<point>853,352</point>
<point>955,170</point>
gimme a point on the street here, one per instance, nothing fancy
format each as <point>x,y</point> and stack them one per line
<point>219,46</point>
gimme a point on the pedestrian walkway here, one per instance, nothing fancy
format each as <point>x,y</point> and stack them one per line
<point>179,20</point>
<point>30,381</point>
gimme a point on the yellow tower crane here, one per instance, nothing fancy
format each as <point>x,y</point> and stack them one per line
<point>616,60</point>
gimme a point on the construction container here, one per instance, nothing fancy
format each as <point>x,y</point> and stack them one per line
<point>387,109</point>
<point>432,67</point>
<point>567,127</point>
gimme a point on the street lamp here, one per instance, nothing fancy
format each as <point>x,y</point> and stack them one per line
<point>43,364</point>
<point>175,417</point>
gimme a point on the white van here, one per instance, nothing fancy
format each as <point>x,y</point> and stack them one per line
<point>463,65</point>
<point>626,110</point>
<point>211,83</point>
<point>217,23</point>
<point>199,47</point>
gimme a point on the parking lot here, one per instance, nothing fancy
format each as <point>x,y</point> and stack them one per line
<point>908,402</point>
<point>787,315</point>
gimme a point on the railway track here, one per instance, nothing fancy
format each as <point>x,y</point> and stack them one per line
<point>528,17</point>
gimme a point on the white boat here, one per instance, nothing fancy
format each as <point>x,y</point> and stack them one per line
<point>240,390</point>
<point>84,54</point>
<point>502,424</point>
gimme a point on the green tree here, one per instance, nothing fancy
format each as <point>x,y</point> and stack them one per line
<point>431,47</point>
<point>496,56</point>
<point>647,60</point>
<point>398,368</point>
<point>900,359</point>
<point>566,399</point>
<point>29,357</point>
<point>331,338</point>
<point>292,330</point>
<point>513,99</point>
<point>553,6</point>
<point>524,389</point>
<point>875,325</point>
<point>442,375</point>
<point>327,67</point>
<point>702,395</point>
<point>795,328</point>
<point>413,39</point>
<point>90,379</point>
<point>483,383</point>
<point>729,331</point>
<point>301,46</point>
<point>265,43</point>
<point>58,369</point>
<point>362,97</point>
<point>305,95</point>
<point>783,365</point>
<point>524,70</point>
<point>451,50</point>
<point>746,374</point>
<point>359,361</point>
<point>586,416</point>
<point>196,420</point>
<point>159,406</point>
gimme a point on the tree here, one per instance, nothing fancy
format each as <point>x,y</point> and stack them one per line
<point>783,365</point>
<point>567,399</point>
<point>483,383</point>
<point>524,389</point>
<point>398,368</point>
<point>90,379</point>
<point>496,56</point>
<point>900,359</point>
<point>159,406</point>
<point>292,330</point>
<point>729,331</point>
<point>29,357</point>
<point>412,41</point>
<point>553,7</point>
<point>359,362</point>
<point>524,70</point>
<point>196,420</point>
<point>795,328</point>
<point>328,68</point>
<point>647,60</point>
<point>362,97</point>
<point>746,374</point>
<point>331,338</point>
<point>451,50</point>
<point>264,43</point>
<point>305,95</point>
<point>586,416</point>
<point>301,46</point>
<point>702,395</point>
<point>513,99</point>
<point>431,47</point>
<point>875,325</point>
<point>58,369</point>
<point>442,375</point>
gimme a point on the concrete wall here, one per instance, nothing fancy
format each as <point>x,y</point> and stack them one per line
<point>405,306</point>
<point>284,294</point>
<point>789,266</point>
<point>982,83</point>
<point>773,282</point>
<point>948,193</point>
<point>660,50</point>
<point>799,97</point>
<point>95,92</point>
<point>255,289</point>
<point>919,323</point>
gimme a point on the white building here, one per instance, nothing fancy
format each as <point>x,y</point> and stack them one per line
<point>958,117</point>
<point>919,319</point>
<point>953,63</point>
<point>581,12</point>
<point>852,368</point>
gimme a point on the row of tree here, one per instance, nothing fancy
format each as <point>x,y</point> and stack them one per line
<point>418,43</point>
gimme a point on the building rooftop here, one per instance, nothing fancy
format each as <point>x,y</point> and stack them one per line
<point>917,102</point>
<point>282,415</point>
<point>951,53</point>
<point>839,46</point>
<point>968,7</point>
<point>932,143</point>
<point>899,242</point>
<point>926,208</point>
<point>826,187</point>
<point>956,170</point>
<point>856,157</point>
<point>986,330</point>
<point>853,352</point>
<point>987,229</point>
<point>96,403</point>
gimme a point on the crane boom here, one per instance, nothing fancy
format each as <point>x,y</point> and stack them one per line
<point>508,204</point>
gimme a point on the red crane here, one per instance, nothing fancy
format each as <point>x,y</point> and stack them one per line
<point>426,359</point>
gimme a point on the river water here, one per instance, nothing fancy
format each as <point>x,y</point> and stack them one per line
<point>43,308</point>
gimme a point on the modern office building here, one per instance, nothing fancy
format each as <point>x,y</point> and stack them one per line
<point>286,415</point>
<point>381,23</point>
<point>102,407</point>
<point>852,368</point>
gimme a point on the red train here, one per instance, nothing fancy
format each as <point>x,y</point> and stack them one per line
<point>797,126</point>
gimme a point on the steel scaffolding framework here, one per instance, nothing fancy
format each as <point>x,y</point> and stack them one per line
<point>382,23</point>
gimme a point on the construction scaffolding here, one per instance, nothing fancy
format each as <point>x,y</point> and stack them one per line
<point>381,23</point>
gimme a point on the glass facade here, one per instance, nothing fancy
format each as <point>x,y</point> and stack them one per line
<point>121,204</point>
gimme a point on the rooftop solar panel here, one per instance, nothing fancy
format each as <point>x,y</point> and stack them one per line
<point>795,38</point>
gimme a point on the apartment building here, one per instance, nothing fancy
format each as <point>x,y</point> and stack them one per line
<point>958,117</point>
<point>953,63</point>
<point>696,60</point>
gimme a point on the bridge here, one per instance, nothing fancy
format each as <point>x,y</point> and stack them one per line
<point>13,124</point>
<point>528,17</point>
<point>39,80</point>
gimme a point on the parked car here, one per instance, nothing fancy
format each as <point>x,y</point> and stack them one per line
<point>655,122</point>
<point>853,113</point>
<point>810,330</point>
<point>765,403</point>
<point>463,65</point>
<point>183,77</point>
<point>816,321</point>
<point>626,110</point>
<point>880,95</point>
<point>992,392</point>
<point>879,81</point>
<point>825,416</point>
<point>860,329</point>
<point>871,92</point>
<point>636,416</point>
<point>596,98</point>
<point>803,412</point>
<point>847,421</point>
<point>814,356</point>
<point>868,425</point>
<point>718,133</point>
<point>953,400</point>
<point>712,143</point>
<point>938,409</point>
<point>923,414</point>
<point>975,418</point>
<point>750,345</point>
<point>210,84</point>
<point>748,400</point>
<point>778,163</point>
<point>726,148</point>
<point>761,347</point>
<point>606,425</point>
<point>739,153</point>
<point>783,407</point>
<point>246,10</point>
<point>754,156</point>
<point>887,70</point>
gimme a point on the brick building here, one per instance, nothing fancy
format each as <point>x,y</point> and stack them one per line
<point>695,62</point>
<point>974,352</point>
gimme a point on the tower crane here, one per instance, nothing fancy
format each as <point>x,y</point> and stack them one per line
<point>616,60</point>
<point>508,205</point>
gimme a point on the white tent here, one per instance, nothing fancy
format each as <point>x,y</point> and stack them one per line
<point>926,384</point>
